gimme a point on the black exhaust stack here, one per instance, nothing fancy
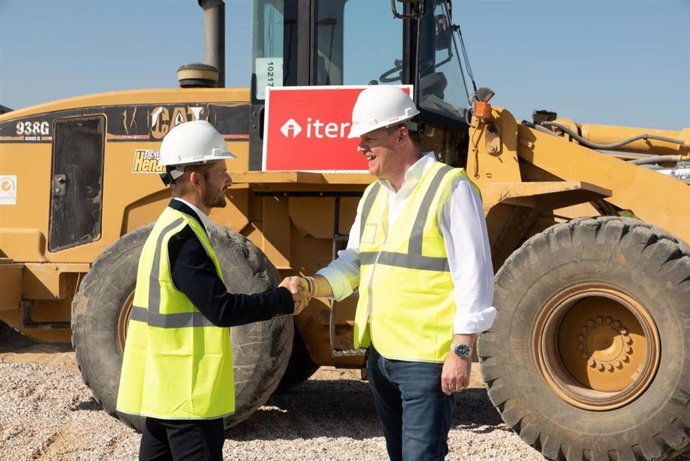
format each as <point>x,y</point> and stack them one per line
<point>214,36</point>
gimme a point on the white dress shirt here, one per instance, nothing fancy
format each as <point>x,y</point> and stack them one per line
<point>205,220</point>
<point>466,241</point>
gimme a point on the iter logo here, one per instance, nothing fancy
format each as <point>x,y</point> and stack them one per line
<point>306,129</point>
<point>291,129</point>
<point>315,128</point>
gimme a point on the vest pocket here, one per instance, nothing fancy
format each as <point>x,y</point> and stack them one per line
<point>369,234</point>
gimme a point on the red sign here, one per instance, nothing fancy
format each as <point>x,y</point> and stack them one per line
<point>306,129</point>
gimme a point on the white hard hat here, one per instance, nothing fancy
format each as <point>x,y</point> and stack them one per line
<point>379,107</point>
<point>192,143</point>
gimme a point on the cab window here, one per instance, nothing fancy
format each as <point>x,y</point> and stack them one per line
<point>441,80</point>
<point>357,42</point>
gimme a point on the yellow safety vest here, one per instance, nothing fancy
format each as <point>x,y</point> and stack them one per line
<point>406,303</point>
<point>176,363</point>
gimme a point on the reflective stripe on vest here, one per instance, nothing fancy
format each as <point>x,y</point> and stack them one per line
<point>406,291</point>
<point>152,315</point>
<point>176,363</point>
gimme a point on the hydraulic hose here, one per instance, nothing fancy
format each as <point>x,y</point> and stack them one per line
<point>658,159</point>
<point>613,145</point>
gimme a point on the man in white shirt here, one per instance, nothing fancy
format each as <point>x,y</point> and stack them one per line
<point>419,253</point>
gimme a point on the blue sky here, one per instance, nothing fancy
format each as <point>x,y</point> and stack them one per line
<point>617,62</point>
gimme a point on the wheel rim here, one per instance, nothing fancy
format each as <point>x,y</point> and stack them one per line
<point>123,320</point>
<point>596,347</point>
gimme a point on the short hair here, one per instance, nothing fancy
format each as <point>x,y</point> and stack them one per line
<point>202,168</point>
<point>415,136</point>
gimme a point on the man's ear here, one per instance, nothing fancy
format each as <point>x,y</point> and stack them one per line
<point>195,179</point>
<point>402,134</point>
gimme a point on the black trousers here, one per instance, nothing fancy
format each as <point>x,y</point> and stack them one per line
<point>182,440</point>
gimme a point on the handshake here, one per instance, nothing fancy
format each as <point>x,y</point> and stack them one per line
<point>302,289</point>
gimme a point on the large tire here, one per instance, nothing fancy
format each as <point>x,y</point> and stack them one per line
<point>299,368</point>
<point>101,309</point>
<point>589,355</point>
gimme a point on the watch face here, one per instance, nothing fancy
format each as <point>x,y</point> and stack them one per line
<point>462,350</point>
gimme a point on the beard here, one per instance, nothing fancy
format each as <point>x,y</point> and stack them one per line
<point>214,198</point>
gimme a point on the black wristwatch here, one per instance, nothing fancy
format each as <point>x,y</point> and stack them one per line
<point>461,350</point>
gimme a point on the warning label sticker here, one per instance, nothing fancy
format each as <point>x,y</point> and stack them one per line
<point>8,190</point>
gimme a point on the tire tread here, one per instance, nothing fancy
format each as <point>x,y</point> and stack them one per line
<point>589,236</point>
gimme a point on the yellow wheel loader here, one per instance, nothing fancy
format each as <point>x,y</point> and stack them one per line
<point>589,355</point>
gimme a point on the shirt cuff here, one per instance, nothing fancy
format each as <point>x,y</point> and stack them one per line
<point>339,284</point>
<point>476,322</point>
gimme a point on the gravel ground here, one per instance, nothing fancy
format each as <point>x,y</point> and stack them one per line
<point>47,413</point>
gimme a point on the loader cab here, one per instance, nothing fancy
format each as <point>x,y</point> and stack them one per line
<point>356,42</point>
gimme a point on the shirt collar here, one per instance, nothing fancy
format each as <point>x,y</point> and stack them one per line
<point>204,219</point>
<point>414,173</point>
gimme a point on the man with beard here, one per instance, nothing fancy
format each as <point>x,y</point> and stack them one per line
<point>177,364</point>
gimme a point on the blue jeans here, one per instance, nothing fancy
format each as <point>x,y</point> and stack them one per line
<point>415,414</point>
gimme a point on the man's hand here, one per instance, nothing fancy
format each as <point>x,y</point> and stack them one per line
<point>456,374</point>
<point>456,370</point>
<point>300,293</point>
